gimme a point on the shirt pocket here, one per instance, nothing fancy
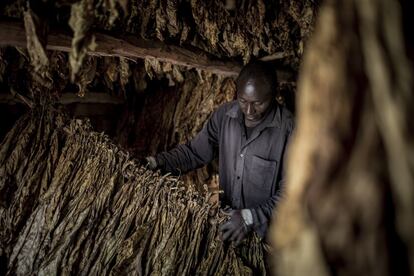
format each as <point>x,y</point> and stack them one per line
<point>260,178</point>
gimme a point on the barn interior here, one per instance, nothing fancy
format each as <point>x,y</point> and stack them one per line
<point>87,87</point>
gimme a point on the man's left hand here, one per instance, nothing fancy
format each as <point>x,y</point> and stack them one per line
<point>237,227</point>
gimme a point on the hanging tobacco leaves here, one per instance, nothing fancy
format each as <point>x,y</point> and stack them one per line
<point>74,203</point>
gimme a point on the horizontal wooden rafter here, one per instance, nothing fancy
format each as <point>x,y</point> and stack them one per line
<point>66,98</point>
<point>13,34</point>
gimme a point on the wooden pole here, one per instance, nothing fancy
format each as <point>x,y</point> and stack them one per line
<point>13,34</point>
<point>66,98</point>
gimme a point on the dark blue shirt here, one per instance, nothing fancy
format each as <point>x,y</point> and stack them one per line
<point>250,169</point>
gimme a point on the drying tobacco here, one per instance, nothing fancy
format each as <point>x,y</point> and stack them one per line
<point>73,203</point>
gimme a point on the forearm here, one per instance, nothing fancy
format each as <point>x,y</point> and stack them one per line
<point>180,160</point>
<point>198,152</point>
<point>263,213</point>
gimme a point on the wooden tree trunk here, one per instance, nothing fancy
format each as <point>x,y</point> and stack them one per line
<point>349,207</point>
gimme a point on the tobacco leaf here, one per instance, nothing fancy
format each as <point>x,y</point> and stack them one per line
<point>36,41</point>
<point>80,205</point>
<point>36,37</point>
<point>81,21</point>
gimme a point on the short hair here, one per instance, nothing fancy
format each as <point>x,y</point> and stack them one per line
<point>260,71</point>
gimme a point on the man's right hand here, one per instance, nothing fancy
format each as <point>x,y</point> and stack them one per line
<point>150,162</point>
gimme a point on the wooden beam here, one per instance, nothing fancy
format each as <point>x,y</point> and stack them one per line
<point>90,97</point>
<point>13,34</point>
<point>69,98</point>
<point>275,56</point>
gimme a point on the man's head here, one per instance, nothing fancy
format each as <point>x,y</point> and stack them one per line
<point>256,86</point>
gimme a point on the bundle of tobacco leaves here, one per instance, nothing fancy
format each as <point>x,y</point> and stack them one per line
<point>74,203</point>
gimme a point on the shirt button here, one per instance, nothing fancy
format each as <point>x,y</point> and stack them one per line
<point>241,155</point>
<point>238,177</point>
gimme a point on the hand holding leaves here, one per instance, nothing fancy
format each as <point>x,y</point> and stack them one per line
<point>238,226</point>
<point>150,162</point>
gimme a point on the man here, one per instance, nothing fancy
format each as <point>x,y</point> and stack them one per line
<point>250,137</point>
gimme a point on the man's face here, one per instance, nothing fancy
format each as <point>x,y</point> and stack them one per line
<point>254,100</point>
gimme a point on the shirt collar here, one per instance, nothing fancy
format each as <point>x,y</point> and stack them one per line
<point>272,119</point>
